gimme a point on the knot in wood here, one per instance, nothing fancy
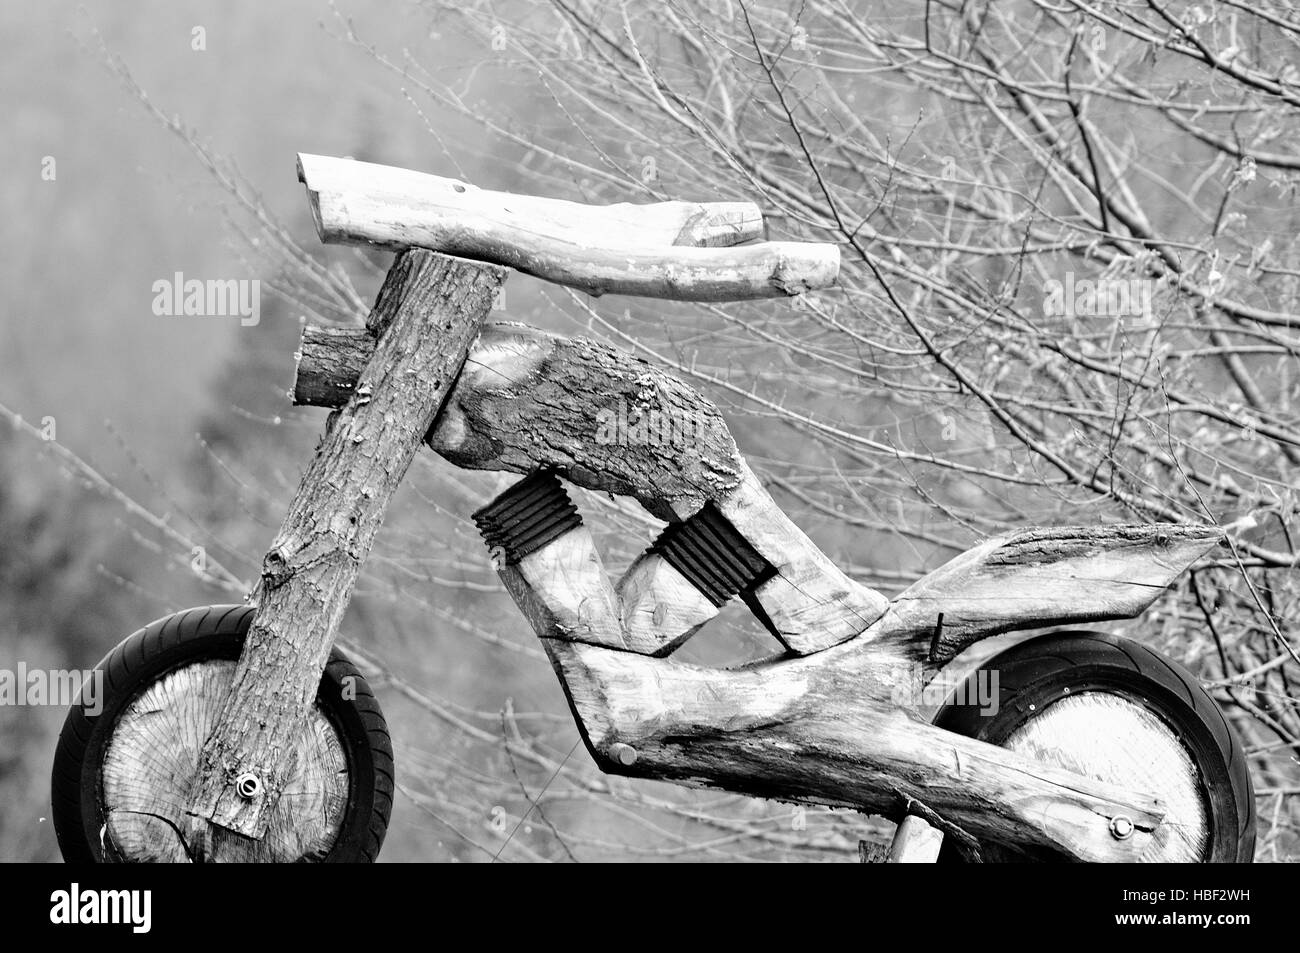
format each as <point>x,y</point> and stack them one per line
<point>275,569</point>
<point>646,388</point>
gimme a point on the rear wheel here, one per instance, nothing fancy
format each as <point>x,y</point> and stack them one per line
<point>1112,709</point>
<point>127,753</point>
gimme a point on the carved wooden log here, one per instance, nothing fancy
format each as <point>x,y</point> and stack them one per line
<point>355,202</point>
<point>528,400</point>
<point>426,317</point>
<point>823,729</point>
<point>838,727</point>
<point>1036,577</point>
<point>613,422</point>
<point>636,250</point>
<point>515,408</point>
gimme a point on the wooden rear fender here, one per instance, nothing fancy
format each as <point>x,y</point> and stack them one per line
<point>1039,577</point>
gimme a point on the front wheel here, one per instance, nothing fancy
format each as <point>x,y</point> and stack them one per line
<point>1111,709</point>
<point>130,747</point>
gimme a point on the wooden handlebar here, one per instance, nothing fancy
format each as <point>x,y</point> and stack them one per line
<point>681,251</point>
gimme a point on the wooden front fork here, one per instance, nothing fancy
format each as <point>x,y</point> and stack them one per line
<point>425,318</point>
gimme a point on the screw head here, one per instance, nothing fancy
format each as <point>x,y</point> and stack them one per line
<point>623,754</point>
<point>248,785</point>
<point>1121,828</point>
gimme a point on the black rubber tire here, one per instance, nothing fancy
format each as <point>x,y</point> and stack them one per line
<point>1039,670</point>
<point>195,635</point>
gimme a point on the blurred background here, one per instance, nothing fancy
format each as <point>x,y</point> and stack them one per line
<point>968,161</point>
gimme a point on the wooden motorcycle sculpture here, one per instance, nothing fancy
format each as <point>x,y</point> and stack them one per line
<point>227,732</point>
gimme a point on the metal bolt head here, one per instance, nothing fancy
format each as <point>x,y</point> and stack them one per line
<point>248,785</point>
<point>623,754</point>
<point>1121,828</point>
